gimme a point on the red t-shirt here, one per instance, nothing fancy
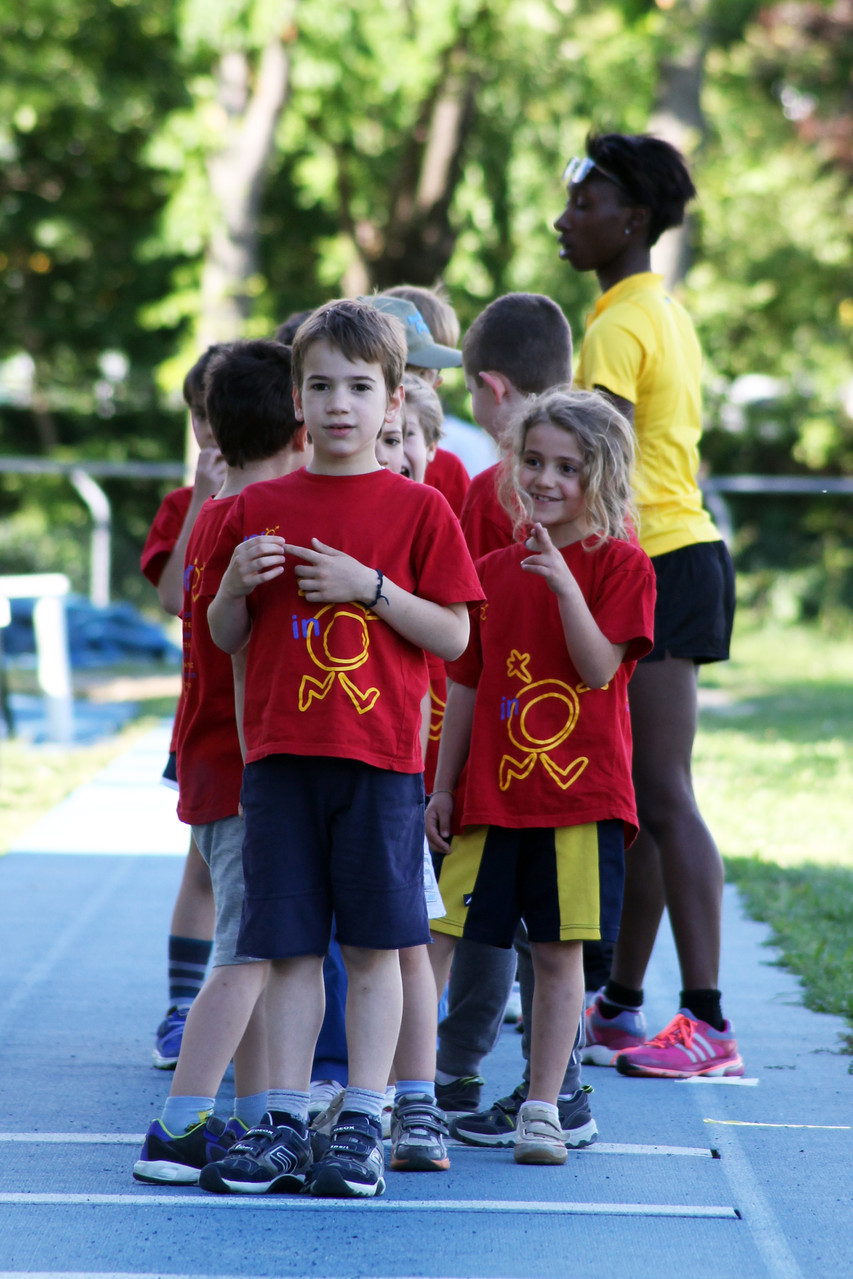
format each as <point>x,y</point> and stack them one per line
<point>164,533</point>
<point>210,765</point>
<point>545,749</point>
<point>446,472</point>
<point>159,544</point>
<point>334,679</point>
<point>437,702</point>
<point>485,523</point>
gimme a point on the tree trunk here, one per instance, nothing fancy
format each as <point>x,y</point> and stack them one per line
<point>678,117</point>
<point>251,103</point>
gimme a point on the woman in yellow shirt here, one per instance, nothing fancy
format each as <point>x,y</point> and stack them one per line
<point>641,349</point>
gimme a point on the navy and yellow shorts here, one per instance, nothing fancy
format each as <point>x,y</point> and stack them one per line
<point>565,883</point>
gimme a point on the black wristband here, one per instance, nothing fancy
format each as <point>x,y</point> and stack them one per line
<point>380,578</point>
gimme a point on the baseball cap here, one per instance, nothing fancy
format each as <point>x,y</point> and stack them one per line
<point>421,349</point>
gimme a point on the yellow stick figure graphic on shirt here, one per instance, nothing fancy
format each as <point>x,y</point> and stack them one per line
<point>338,644</point>
<point>539,719</point>
<point>437,708</point>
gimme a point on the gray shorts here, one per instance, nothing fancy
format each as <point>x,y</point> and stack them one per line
<point>221,845</point>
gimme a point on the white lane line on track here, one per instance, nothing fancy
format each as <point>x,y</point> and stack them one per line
<point>136,1139</point>
<point>754,1123</point>
<point>714,1079</point>
<point>282,1202</point>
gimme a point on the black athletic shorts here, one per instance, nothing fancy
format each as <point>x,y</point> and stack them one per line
<point>695,605</point>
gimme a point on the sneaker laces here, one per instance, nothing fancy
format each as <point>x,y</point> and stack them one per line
<point>679,1031</point>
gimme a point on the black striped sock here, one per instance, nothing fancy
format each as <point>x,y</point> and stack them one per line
<point>188,957</point>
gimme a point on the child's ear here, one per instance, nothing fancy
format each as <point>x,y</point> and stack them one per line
<point>432,449</point>
<point>300,439</point>
<point>499,385</point>
<point>297,404</point>
<point>395,403</point>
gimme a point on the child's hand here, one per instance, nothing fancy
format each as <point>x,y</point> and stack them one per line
<point>546,561</point>
<point>331,577</point>
<point>257,560</point>
<point>209,472</point>
<point>438,814</point>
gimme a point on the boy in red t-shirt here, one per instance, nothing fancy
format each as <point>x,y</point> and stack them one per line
<point>538,708</point>
<point>162,562</point>
<point>341,576</point>
<point>250,405</point>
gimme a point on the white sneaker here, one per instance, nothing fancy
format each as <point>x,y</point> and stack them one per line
<point>538,1136</point>
<point>321,1095</point>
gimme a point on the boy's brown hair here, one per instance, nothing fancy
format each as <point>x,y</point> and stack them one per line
<point>249,397</point>
<point>360,332</point>
<point>193,389</point>
<point>434,307</point>
<point>524,336</point>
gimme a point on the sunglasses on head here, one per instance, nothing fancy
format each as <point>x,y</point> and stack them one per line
<point>580,167</point>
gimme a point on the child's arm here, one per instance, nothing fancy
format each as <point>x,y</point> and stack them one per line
<point>238,671</point>
<point>596,660</point>
<point>209,476</point>
<point>331,577</point>
<point>257,560</point>
<point>452,754</point>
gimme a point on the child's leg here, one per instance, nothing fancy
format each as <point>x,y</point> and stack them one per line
<point>374,1014</point>
<point>193,912</point>
<point>441,957</point>
<point>216,1024</point>
<point>415,1055</point>
<point>295,1005</point>
<point>557,1008</point>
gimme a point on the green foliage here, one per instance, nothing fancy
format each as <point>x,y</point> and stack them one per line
<point>112,112</point>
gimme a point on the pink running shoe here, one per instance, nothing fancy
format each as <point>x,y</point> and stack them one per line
<point>605,1037</point>
<point>686,1047</point>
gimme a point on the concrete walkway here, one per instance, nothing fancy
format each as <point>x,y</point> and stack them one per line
<point>739,1179</point>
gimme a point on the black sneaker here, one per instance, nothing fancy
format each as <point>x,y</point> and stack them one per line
<point>460,1096</point>
<point>418,1130</point>
<point>177,1158</point>
<point>355,1161</point>
<point>492,1127</point>
<point>496,1126</point>
<point>270,1159</point>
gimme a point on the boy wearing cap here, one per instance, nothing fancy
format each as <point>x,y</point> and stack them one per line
<point>432,336</point>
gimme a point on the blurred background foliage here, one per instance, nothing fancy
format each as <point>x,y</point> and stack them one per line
<point>173,173</point>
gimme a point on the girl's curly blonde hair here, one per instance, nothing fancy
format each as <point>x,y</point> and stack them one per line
<point>606,442</point>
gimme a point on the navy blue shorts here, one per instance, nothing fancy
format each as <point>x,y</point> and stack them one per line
<point>695,606</point>
<point>328,837</point>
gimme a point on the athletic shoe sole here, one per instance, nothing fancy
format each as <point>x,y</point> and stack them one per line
<point>546,1153</point>
<point>626,1066</point>
<point>598,1055</point>
<point>212,1179</point>
<point>330,1183</point>
<point>159,1171</point>
<point>419,1163</point>
<point>163,1063</point>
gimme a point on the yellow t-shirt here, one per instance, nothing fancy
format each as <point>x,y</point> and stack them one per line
<point>640,344</point>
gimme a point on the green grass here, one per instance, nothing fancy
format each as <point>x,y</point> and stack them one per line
<point>774,774</point>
